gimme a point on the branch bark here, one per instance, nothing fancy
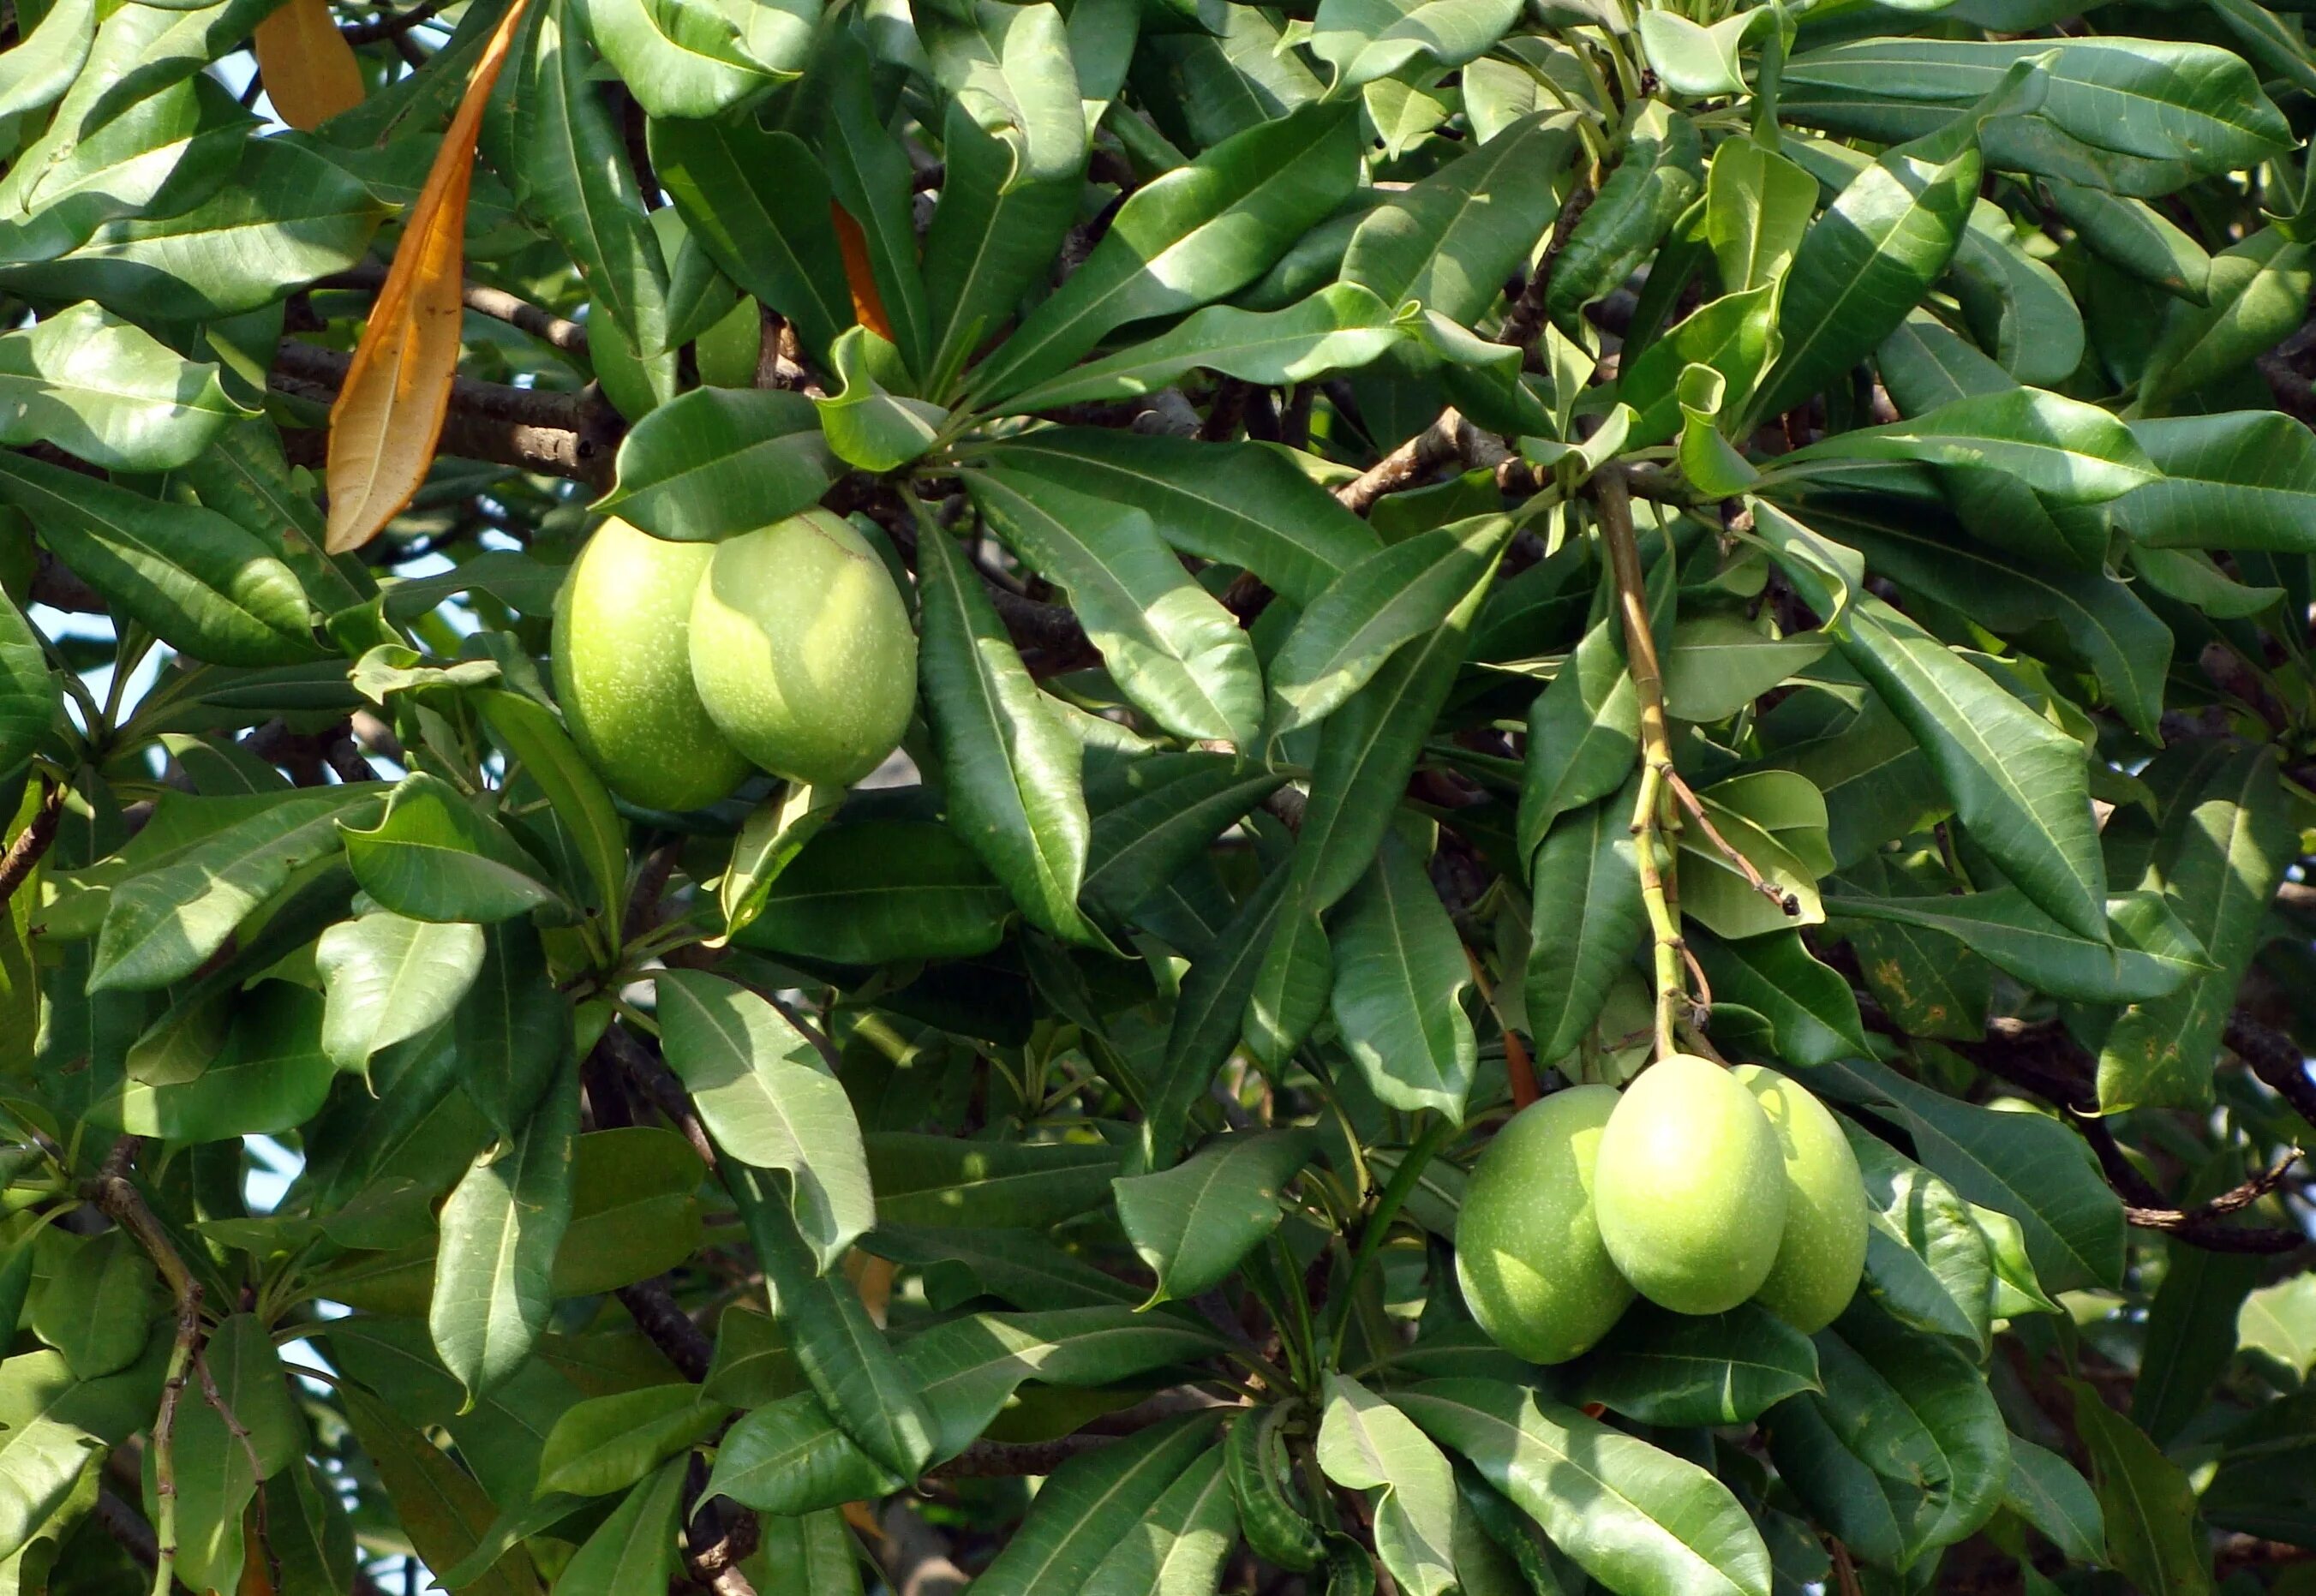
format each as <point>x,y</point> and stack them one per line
<point>498,304</point>
<point>25,851</point>
<point>1451,438</point>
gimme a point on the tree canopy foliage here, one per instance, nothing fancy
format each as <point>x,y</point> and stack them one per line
<point>1455,547</point>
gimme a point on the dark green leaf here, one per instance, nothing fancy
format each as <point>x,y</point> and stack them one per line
<point>716,461</point>
<point>1661,1367</point>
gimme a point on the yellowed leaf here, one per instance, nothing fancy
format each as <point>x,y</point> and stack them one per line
<point>308,67</point>
<point>389,416</point>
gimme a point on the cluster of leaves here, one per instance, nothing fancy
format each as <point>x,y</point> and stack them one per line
<point>1457,544</point>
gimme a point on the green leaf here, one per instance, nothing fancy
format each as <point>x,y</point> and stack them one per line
<point>1661,172</point>
<point>501,1226</point>
<point>2047,1491</point>
<point>609,1443</point>
<point>2192,1332</point>
<point>2021,1164</point>
<point>1887,237</point>
<point>2152,100</point>
<point>1008,67</point>
<point>684,58</point>
<point>1926,1263</point>
<point>1193,1222</point>
<point>1367,40</point>
<point>1695,60</point>
<point>943,1180</point>
<point>1583,732</point>
<point>107,391</point>
<point>444,1511</point>
<point>987,244</point>
<point>572,174</point>
<point>2013,935</point>
<point>193,578</point>
<point>2239,480</point>
<point>770,840</point>
<point>1210,1014</point>
<point>1179,1547</point>
<point>1366,1444</point>
<point>390,978</point>
<point>1092,1505</point>
<point>1400,977</point>
<point>1735,335</point>
<point>1449,240</point>
<point>220,1473</point>
<point>285,218</point>
<point>717,461</point>
<point>758,202</point>
<point>1239,504</point>
<point>1398,593</point>
<point>431,856</point>
<point>513,1029</point>
<point>1021,1267</point>
<point>2134,236</point>
<point>865,426</point>
<point>1189,237</point>
<point>2225,843</point>
<point>268,1076</point>
<point>2068,451</point>
<point>634,1549</point>
<point>1632,1516</point>
<point>30,699</point>
<point>817,1550</point>
<point>1718,664</point>
<point>2016,781</point>
<point>1339,328</point>
<point>528,731</point>
<point>868,1391</point>
<point>1366,751</point>
<point>1012,766</point>
<point>870,175</point>
<point>1662,1368</point>
<point>764,1094</point>
<point>1179,804</point>
<point>2154,1533</point>
<point>2253,298</point>
<point>1757,207</point>
<point>48,58</point>
<point>1173,648</point>
<point>1589,921</point>
<point>164,924</point>
<point>882,889</point>
<point>98,1305</point>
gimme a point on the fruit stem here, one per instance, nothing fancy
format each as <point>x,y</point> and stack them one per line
<point>1653,817</point>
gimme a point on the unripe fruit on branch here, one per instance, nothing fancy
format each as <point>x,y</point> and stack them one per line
<point>802,651</point>
<point>1528,1251</point>
<point>623,671</point>
<point>1823,1253</point>
<point>1690,1187</point>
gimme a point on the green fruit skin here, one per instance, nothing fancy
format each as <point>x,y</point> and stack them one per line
<point>1527,1249</point>
<point>623,671</point>
<point>802,651</point>
<point>1822,1253</point>
<point>1690,1188</point>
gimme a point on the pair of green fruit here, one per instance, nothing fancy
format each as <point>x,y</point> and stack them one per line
<point>680,665</point>
<point>1697,1187</point>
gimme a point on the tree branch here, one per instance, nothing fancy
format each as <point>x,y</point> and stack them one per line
<point>498,304</point>
<point>1451,438</point>
<point>552,433</point>
<point>25,851</point>
<point>2275,1058</point>
<point>390,26</point>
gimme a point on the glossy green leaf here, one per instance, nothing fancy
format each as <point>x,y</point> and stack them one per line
<point>105,390</point>
<point>2135,235</point>
<point>634,1549</point>
<point>1091,1505</point>
<point>764,1094</point>
<point>268,1075</point>
<point>716,461</point>
<point>446,1512</point>
<point>1367,40</point>
<point>1210,1014</point>
<point>686,57</point>
<point>865,425</point>
<point>1662,1368</point>
<point>1661,172</point>
<point>1178,804</point>
<point>1179,1547</point>
<point>877,890</point>
<point>97,1307</point>
<point>1008,67</point>
<point>1588,922</point>
<point>530,734</point>
<point>609,1443</point>
<point>2244,477</point>
<point>2068,451</point>
<point>870,175</point>
<point>2253,297</point>
<point>2152,957</point>
<point>1173,648</point>
<point>1239,504</point>
<point>1013,768</point>
<point>1926,1263</point>
<point>1189,237</point>
<point>2154,1533</point>
<point>432,856</point>
<point>1630,1515</point>
<point>987,243</point>
<point>513,1029</point>
<point>48,57</point>
<point>192,577</point>
<point>1366,1444</point>
<point>30,699</point>
<point>501,1226</point>
<point>1193,1222</point>
<point>1400,976</point>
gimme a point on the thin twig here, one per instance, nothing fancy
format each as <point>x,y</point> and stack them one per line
<point>498,304</point>
<point>25,850</point>
<point>1759,883</point>
<point>1450,438</point>
<point>390,26</point>
<point>1651,821</point>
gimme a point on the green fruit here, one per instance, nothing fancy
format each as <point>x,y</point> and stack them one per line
<point>802,651</point>
<point>1528,1250</point>
<point>1691,1190</point>
<point>1823,1250</point>
<point>623,671</point>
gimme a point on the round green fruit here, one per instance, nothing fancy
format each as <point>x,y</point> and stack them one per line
<point>1527,1249</point>
<point>802,651</point>
<point>1690,1188</point>
<point>623,671</point>
<point>1823,1253</point>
